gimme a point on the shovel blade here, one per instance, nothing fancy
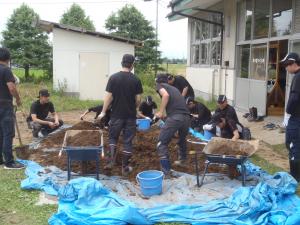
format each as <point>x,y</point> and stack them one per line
<point>22,152</point>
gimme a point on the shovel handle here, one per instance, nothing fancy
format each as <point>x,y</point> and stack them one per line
<point>17,127</point>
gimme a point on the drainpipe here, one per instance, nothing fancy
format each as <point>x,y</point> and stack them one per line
<point>213,83</point>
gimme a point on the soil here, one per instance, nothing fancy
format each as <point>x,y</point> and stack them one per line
<point>84,138</point>
<point>223,150</point>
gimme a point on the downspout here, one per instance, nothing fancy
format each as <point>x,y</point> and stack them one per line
<point>213,83</point>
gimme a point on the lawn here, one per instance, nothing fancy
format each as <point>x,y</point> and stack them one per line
<point>175,69</point>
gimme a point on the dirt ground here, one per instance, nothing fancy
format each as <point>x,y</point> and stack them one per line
<point>144,146</point>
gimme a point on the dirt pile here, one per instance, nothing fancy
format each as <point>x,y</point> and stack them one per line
<point>144,157</point>
<point>84,138</point>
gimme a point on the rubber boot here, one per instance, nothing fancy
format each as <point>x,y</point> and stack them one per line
<point>126,169</point>
<point>250,118</point>
<point>109,156</point>
<point>165,166</point>
<point>254,113</point>
<point>295,169</point>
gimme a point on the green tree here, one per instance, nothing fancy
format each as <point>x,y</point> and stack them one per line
<point>75,16</point>
<point>128,22</point>
<point>28,45</point>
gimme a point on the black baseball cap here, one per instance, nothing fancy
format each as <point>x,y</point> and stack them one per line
<point>44,93</point>
<point>161,78</point>
<point>149,99</point>
<point>170,76</point>
<point>189,100</point>
<point>221,99</point>
<point>290,58</point>
<point>128,58</point>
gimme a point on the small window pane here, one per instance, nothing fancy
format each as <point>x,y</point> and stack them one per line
<point>215,52</point>
<point>258,62</point>
<point>282,17</point>
<point>204,53</point>
<point>205,31</point>
<point>261,17</point>
<point>195,54</point>
<point>216,30</point>
<point>245,19</point>
<point>197,31</point>
<point>244,56</point>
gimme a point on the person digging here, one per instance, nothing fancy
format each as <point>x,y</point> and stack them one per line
<point>38,120</point>
<point>123,93</point>
<point>98,109</point>
<point>178,120</point>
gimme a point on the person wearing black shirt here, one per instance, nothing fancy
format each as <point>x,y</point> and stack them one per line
<point>292,65</point>
<point>147,108</point>
<point>8,90</point>
<point>182,85</point>
<point>38,119</point>
<point>200,114</point>
<point>226,110</point>
<point>178,120</point>
<point>123,93</point>
<point>98,109</point>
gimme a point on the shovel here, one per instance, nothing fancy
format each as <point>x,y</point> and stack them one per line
<point>22,151</point>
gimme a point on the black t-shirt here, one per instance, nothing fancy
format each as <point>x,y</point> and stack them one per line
<point>6,76</point>
<point>228,112</point>
<point>176,103</point>
<point>204,114</point>
<point>147,109</point>
<point>41,110</point>
<point>230,127</point>
<point>98,109</point>
<point>124,86</point>
<point>180,83</point>
<point>293,105</point>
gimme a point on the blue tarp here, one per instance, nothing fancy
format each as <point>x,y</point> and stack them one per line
<point>87,201</point>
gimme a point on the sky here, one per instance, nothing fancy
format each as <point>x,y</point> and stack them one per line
<point>173,35</point>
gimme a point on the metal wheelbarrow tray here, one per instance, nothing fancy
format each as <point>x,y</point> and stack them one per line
<point>232,153</point>
<point>82,153</point>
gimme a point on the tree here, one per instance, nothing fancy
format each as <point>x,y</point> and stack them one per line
<point>75,16</point>
<point>128,22</point>
<point>28,45</point>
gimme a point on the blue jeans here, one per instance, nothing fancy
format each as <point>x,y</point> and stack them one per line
<point>7,133</point>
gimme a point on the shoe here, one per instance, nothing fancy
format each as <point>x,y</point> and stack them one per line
<point>180,162</point>
<point>246,115</point>
<point>126,171</point>
<point>14,166</point>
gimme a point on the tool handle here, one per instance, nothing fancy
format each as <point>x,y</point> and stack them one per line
<point>17,127</point>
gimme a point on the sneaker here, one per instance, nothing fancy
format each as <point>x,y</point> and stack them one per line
<point>126,171</point>
<point>40,135</point>
<point>14,166</point>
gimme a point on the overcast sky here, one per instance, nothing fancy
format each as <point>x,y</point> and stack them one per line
<point>173,35</point>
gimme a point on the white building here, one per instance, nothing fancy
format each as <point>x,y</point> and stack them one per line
<point>234,48</point>
<point>83,60</point>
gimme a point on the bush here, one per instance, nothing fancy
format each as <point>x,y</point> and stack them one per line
<point>147,77</point>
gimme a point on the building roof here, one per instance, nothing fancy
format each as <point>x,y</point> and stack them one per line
<point>48,26</point>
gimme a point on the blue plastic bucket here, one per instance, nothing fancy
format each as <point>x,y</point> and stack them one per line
<point>207,135</point>
<point>143,124</point>
<point>150,182</point>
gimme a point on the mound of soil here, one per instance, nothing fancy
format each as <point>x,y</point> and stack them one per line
<point>144,156</point>
<point>84,138</point>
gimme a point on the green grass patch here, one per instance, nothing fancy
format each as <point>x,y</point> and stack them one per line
<point>175,69</point>
<point>265,165</point>
<point>211,105</point>
<point>18,206</point>
<point>29,93</point>
<point>280,149</point>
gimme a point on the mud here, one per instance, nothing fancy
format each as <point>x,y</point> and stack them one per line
<point>144,156</point>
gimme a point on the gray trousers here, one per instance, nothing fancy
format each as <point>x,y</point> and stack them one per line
<point>180,123</point>
<point>37,127</point>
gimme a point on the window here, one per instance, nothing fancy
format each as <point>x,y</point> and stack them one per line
<point>261,19</point>
<point>258,62</point>
<point>245,15</point>
<point>282,17</point>
<point>244,55</point>
<point>206,42</point>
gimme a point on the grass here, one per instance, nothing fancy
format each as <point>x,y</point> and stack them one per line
<point>211,105</point>
<point>176,69</point>
<point>18,206</point>
<point>29,93</point>
<point>280,149</point>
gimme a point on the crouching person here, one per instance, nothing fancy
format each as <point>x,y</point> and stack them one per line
<point>178,119</point>
<point>38,119</point>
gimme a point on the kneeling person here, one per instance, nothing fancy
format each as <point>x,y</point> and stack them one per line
<point>39,121</point>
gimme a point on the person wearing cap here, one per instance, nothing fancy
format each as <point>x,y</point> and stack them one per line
<point>147,108</point>
<point>226,110</point>
<point>8,91</point>
<point>292,64</point>
<point>98,109</point>
<point>182,85</point>
<point>123,93</point>
<point>177,120</point>
<point>38,119</point>
<point>200,114</point>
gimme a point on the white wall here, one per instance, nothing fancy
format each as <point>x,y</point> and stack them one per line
<point>66,48</point>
